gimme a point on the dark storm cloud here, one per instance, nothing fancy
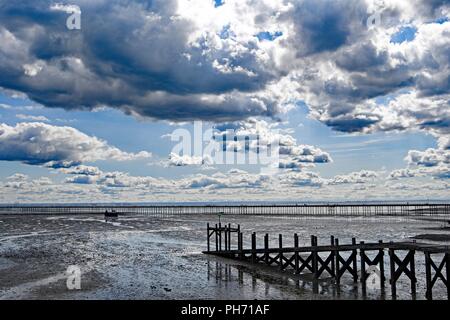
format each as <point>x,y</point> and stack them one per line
<point>325,25</point>
<point>148,59</point>
<point>361,58</point>
<point>351,123</point>
<point>131,55</point>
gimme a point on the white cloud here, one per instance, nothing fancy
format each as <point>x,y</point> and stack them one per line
<point>363,176</point>
<point>82,170</point>
<point>32,118</point>
<point>431,162</point>
<point>42,144</point>
<point>302,179</point>
<point>291,155</point>
<point>186,160</point>
<point>233,179</point>
<point>67,8</point>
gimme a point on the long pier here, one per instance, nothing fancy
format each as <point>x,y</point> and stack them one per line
<point>335,260</point>
<point>307,209</point>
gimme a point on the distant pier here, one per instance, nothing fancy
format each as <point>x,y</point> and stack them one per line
<point>307,209</point>
<point>335,260</point>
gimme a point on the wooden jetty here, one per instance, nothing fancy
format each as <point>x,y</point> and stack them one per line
<point>306,209</point>
<point>335,260</point>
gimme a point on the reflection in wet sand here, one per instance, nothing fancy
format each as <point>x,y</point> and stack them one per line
<point>224,273</point>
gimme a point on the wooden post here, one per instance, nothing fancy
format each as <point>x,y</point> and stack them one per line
<point>296,253</point>
<point>240,245</point>
<point>447,267</point>
<point>362,254</point>
<point>226,237</point>
<point>355,263</point>
<point>266,248</point>
<point>217,239</point>
<point>392,280</point>
<point>429,292</point>
<point>382,275</point>
<point>220,237</point>
<point>314,256</point>
<point>280,244</point>
<point>333,268</point>
<point>229,236</point>
<point>238,231</point>
<point>207,228</point>
<point>253,247</point>
<point>413,274</point>
<point>336,256</point>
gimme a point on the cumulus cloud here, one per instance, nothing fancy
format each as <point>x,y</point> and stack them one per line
<point>21,181</point>
<point>359,177</point>
<point>296,156</point>
<point>37,143</point>
<point>403,173</point>
<point>253,141</point>
<point>183,60</point>
<point>232,179</point>
<point>65,8</point>
<point>186,160</point>
<point>302,179</point>
<point>431,162</point>
<point>82,179</point>
<point>428,158</point>
<point>444,142</point>
<point>82,170</point>
<point>259,135</point>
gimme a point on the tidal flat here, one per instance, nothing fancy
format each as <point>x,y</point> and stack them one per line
<point>148,257</point>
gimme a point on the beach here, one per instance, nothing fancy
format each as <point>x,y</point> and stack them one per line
<point>160,257</point>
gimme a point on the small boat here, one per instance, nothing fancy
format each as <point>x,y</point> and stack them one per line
<point>111,214</point>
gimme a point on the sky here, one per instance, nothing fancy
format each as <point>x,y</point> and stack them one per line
<point>231,100</point>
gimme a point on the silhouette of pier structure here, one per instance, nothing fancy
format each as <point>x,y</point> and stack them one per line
<point>307,209</point>
<point>335,260</point>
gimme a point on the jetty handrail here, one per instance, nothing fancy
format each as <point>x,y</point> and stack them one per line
<point>345,247</point>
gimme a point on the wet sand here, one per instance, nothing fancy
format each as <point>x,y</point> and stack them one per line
<point>140,257</point>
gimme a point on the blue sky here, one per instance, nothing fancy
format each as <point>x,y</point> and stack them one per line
<point>359,111</point>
